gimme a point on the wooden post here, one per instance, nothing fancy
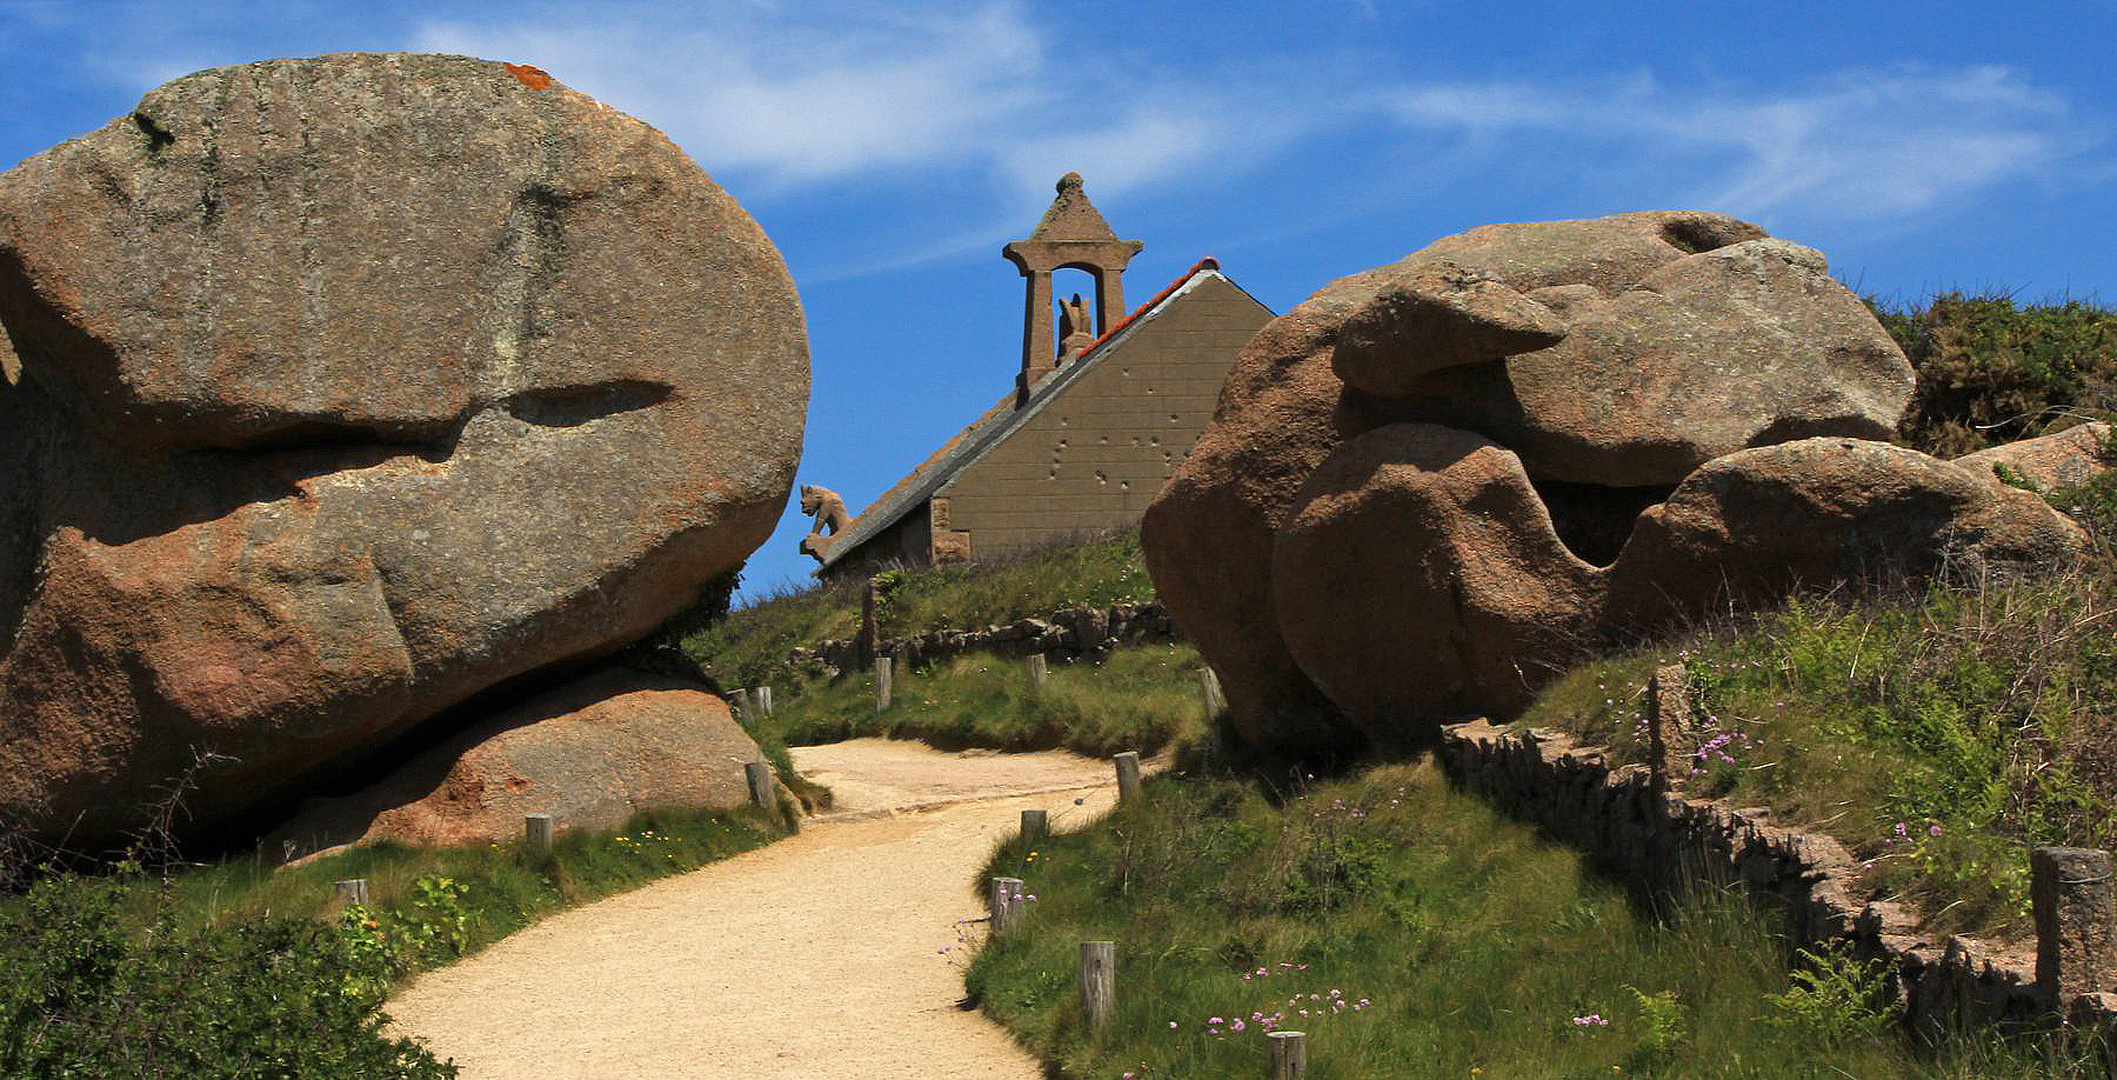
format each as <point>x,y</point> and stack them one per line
<point>764,699</point>
<point>1209,689</point>
<point>1289,1055</point>
<point>2071,899</point>
<point>1035,824</point>
<point>884,667</point>
<point>1098,980</point>
<point>1127,776</point>
<point>353,890</point>
<point>866,641</point>
<point>759,776</point>
<point>741,700</point>
<point>1005,899</point>
<point>1039,669</point>
<point>536,828</point>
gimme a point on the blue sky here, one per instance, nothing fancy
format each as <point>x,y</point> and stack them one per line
<point>891,149</point>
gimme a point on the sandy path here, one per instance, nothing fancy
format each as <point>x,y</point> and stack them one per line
<point>815,957</point>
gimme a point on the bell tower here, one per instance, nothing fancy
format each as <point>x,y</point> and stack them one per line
<point>1072,236</point>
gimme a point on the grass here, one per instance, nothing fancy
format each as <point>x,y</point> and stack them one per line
<point>1938,738</point>
<point>1424,935</point>
<point>499,888</point>
<point>1145,698</point>
<point>235,969</point>
<point>752,644</point>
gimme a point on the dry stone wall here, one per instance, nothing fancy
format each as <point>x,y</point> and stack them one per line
<point>1062,637</point>
<point>1622,816</point>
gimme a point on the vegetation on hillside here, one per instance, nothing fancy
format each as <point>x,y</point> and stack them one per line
<point>235,969</point>
<point>1409,930</point>
<point>1991,371</point>
<point>752,646</point>
<point>1145,698</point>
<point>1938,732</point>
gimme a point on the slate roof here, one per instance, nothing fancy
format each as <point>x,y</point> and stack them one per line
<point>1000,421</point>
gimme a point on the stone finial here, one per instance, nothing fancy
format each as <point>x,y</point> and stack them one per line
<point>828,509</point>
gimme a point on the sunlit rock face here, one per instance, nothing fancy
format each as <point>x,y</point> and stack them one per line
<point>344,389</point>
<point>1432,485</point>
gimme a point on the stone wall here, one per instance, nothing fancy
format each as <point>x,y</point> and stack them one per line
<point>1623,817</point>
<point>1092,457</point>
<point>1062,638</point>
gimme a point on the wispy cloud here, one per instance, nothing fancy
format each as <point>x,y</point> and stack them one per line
<point>782,103</point>
<point>988,101</point>
<point>790,102</point>
<point>1857,145</point>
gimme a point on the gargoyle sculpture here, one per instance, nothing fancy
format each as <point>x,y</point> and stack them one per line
<point>828,509</point>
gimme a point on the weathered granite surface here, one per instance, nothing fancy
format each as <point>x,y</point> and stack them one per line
<point>348,388</point>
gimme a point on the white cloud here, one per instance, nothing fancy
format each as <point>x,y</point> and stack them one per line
<point>791,103</point>
<point>1860,145</point>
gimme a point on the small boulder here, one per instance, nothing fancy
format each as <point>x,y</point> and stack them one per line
<point>590,754</point>
<point>1751,526</point>
<point>2049,462</point>
<point>1434,316</point>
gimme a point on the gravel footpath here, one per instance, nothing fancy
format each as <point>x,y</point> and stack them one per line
<point>815,957</point>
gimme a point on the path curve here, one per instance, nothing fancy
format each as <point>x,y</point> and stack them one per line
<point>816,956</point>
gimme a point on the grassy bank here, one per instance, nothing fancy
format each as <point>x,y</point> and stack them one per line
<point>752,645</point>
<point>1144,699</point>
<point>235,969</point>
<point>1939,739</point>
<point>1409,931</point>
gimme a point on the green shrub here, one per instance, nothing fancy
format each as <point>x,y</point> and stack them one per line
<point>1991,372</point>
<point>84,993</point>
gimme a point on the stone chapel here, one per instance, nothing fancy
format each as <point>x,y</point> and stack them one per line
<point>1095,424</point>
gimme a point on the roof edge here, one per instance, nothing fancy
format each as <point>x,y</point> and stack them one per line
<point>1001,424</point>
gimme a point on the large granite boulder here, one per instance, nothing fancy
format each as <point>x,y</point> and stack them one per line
<point>1743,345</point>
<point>348,388</point>
<point>1208,535</point>
<point>591,754</point>
<point>1340,535</point>
<point>1419,576</point>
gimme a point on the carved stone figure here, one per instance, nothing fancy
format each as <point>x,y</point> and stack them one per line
<point>828,509</point>
<point>1074,335</point>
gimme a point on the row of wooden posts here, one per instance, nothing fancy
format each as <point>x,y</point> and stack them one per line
<point>1098,959</point>
<point>1039,670</point>
<point>538,829</point>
